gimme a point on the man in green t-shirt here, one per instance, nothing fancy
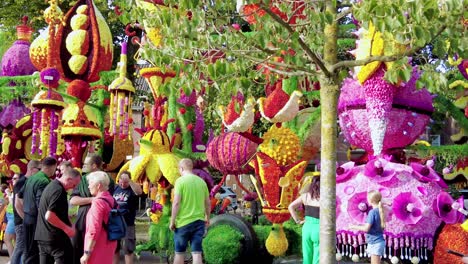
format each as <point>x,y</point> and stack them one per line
<point>190,213</point>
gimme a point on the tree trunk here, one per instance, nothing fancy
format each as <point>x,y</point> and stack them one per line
<point>329,100</point>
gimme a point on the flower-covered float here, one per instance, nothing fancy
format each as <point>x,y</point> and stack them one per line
<point>383,118</point>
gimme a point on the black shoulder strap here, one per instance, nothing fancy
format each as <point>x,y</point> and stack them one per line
<point>112,207</point>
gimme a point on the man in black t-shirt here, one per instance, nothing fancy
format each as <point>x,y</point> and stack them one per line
<point>126,195</point>
<point>82,197</point>
<point>31,194</point>
<point>54,230</point>
<point>34,166</point>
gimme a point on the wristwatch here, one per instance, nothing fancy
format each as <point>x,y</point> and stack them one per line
<point>87,252</point>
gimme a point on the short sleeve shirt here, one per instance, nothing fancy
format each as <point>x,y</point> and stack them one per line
<point>32,193</point>
<point>16,189</point>
<point>375,233</point>
<point>193,192</point>
<point>127,200</point>
<point>54,199</point>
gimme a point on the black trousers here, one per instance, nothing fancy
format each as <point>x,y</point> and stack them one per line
<point>31,250</point>
<point>59,252</point>
<point>78,246</point>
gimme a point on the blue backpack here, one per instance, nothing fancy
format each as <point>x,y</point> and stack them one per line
<point>116,226</point>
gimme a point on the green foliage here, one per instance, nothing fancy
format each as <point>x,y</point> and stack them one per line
<point>293,232</point>
<point>446,155</point>
<point>222,245</point>
<point>160,236</point>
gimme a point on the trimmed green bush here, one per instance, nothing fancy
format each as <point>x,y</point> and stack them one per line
<point>218,239</point>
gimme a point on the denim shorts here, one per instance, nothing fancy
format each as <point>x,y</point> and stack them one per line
<point>10,228</point>
<point>376,249</point>
<point>192,233</point>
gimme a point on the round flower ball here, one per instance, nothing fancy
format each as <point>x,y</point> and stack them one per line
<point>50,77</point>
<point>355,258</point>
<point>415,260</point>
<point>394,260</point>
<point>339,257</point>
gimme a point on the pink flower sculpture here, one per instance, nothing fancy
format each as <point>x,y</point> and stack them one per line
<point>447,209</point>
<point>358,207</point>
<point>393,124</point>
<point>345,172</point>
<point>408,208</point>
<point>381,171</point>
<point>425,173</point>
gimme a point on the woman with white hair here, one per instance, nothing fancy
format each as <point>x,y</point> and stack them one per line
<point>97,248</point>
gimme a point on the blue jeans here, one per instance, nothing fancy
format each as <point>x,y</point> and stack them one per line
<point>192,233</point>
<point>19,246</point>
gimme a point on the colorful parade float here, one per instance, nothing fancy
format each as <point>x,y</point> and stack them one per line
<point>272,136</point>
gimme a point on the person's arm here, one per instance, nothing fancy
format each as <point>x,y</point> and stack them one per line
<point>53,219</point>
<point>292,210</point>
<point>175,211</point>
<point>97,214</point>
<point>19,206</point>
<point>78,200</point>
<point>207,210</point>
<point>87,252</point>
<point>365,227</point>
<point>135,187</point>
<point>370,220</point>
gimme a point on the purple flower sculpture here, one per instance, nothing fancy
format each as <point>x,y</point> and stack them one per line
<point>447,209</point>
<point>13,112</point>
<point>381,171</point>
<point>187,100</point>
<point>358,207</point>
<point>425,173</point>
<point>345,172</point>
<point>155,207</point>
<point>408,208</point>
<point>206,176</point>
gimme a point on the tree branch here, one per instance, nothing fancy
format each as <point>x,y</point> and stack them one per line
<point>268,64</point>
<point>303,45</point>
<point>354,63</point>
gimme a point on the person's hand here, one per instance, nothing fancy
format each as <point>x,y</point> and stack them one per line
<point>70,231</point>
<point>300,222</point>
<point>172,226</point>
<point>84,259</point>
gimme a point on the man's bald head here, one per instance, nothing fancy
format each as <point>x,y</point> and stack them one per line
<point>185,165</point>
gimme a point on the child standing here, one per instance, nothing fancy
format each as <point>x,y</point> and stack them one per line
<point>374,226</point>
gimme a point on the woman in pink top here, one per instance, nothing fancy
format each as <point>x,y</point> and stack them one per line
<point>97,248</point>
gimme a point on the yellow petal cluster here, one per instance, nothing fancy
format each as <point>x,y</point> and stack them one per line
<point>77,42</point>
<point>276,243</point>
<point>281,144</point>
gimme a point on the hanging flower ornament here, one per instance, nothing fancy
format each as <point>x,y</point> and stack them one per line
<point>426,173</point>
<point>408,208</point>
<point>279,106</point>
<point>120,110</point>
<point>449,210</point>
<point>358,208</point>
<point>345,172</point>
<point>238,120</point>
<point>279,174</point>
<point>381,171</point>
